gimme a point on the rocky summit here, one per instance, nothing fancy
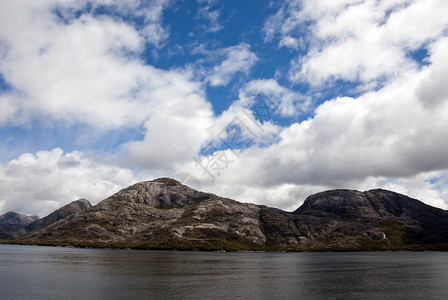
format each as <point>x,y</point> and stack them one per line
<point>164,214</point>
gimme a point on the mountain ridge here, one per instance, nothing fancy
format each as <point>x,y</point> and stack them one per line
<point>165,214</point>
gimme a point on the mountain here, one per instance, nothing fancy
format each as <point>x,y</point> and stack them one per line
<point>158,214</point>
<point>12,222</point>
<point>164,214</point>
<point>378,218</point>
<point>65,211</point>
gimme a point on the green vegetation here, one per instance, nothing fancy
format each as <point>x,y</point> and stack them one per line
<point>169,244</point>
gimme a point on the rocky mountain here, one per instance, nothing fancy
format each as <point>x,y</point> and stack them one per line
<point>158,214</point>
<point>164,214</point>
<point>62,213</point>
<point>376,218</point>
<point>12,222</point>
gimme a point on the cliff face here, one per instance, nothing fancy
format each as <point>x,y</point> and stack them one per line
<point>164,214</point>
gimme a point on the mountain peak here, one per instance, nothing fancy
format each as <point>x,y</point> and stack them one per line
<point>159,193</point>
<point>376,203</point>
<point>15,218</point>
<point>341,203</point>
<point>167,181</point>
<point>61,213</point>
<point>12,221</point>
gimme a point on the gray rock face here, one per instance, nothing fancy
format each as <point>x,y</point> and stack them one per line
<point>164,214</point>
<point>12,222</point>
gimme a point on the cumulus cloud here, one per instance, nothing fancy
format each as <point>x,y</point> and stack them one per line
<point>146,16</point>
<point>83,70</point>
<point>177,130</point>
<point>356,40</point>
<point>42,182</point>
<point>287,102</point>
<point>239,58</point>
<point>433,90</point>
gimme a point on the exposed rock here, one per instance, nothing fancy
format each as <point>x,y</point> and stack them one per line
<point>155,212</point>
<point>164,214</point>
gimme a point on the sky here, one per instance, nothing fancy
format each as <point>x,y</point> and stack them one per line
<point>260,101</point>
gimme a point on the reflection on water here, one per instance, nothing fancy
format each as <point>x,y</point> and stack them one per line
<point>29,272</point>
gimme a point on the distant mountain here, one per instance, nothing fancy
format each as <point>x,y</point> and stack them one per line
<point>164,214</point>
<point>69,209</point>
<point>11,222</point>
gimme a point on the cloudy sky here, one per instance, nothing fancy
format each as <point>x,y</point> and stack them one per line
<point>261,101</point>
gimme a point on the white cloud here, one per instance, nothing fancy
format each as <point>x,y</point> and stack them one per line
<point>433,90</point>
<point>291,42</point>
<point>7,108</point>
<point>286,101</point>
<point>42,182</point>
<point>210,15</point>
<point>356,40</point>
<point>239,58</point>
<point>177,130</point>
<point>85,70</point>
<point>150,14</point>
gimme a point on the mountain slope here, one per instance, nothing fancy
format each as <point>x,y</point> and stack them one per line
<point>164,214</point>
<point>62,213</point>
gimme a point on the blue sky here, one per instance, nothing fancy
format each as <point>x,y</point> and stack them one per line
<point>261,101</point>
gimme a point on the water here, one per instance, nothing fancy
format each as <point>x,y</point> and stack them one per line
<point>30,272</point>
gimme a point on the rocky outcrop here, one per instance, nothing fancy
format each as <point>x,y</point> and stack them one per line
<point>12,222</point>
<point>164,214</point>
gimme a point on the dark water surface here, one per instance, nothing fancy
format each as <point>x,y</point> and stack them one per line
<point>30,272</point>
